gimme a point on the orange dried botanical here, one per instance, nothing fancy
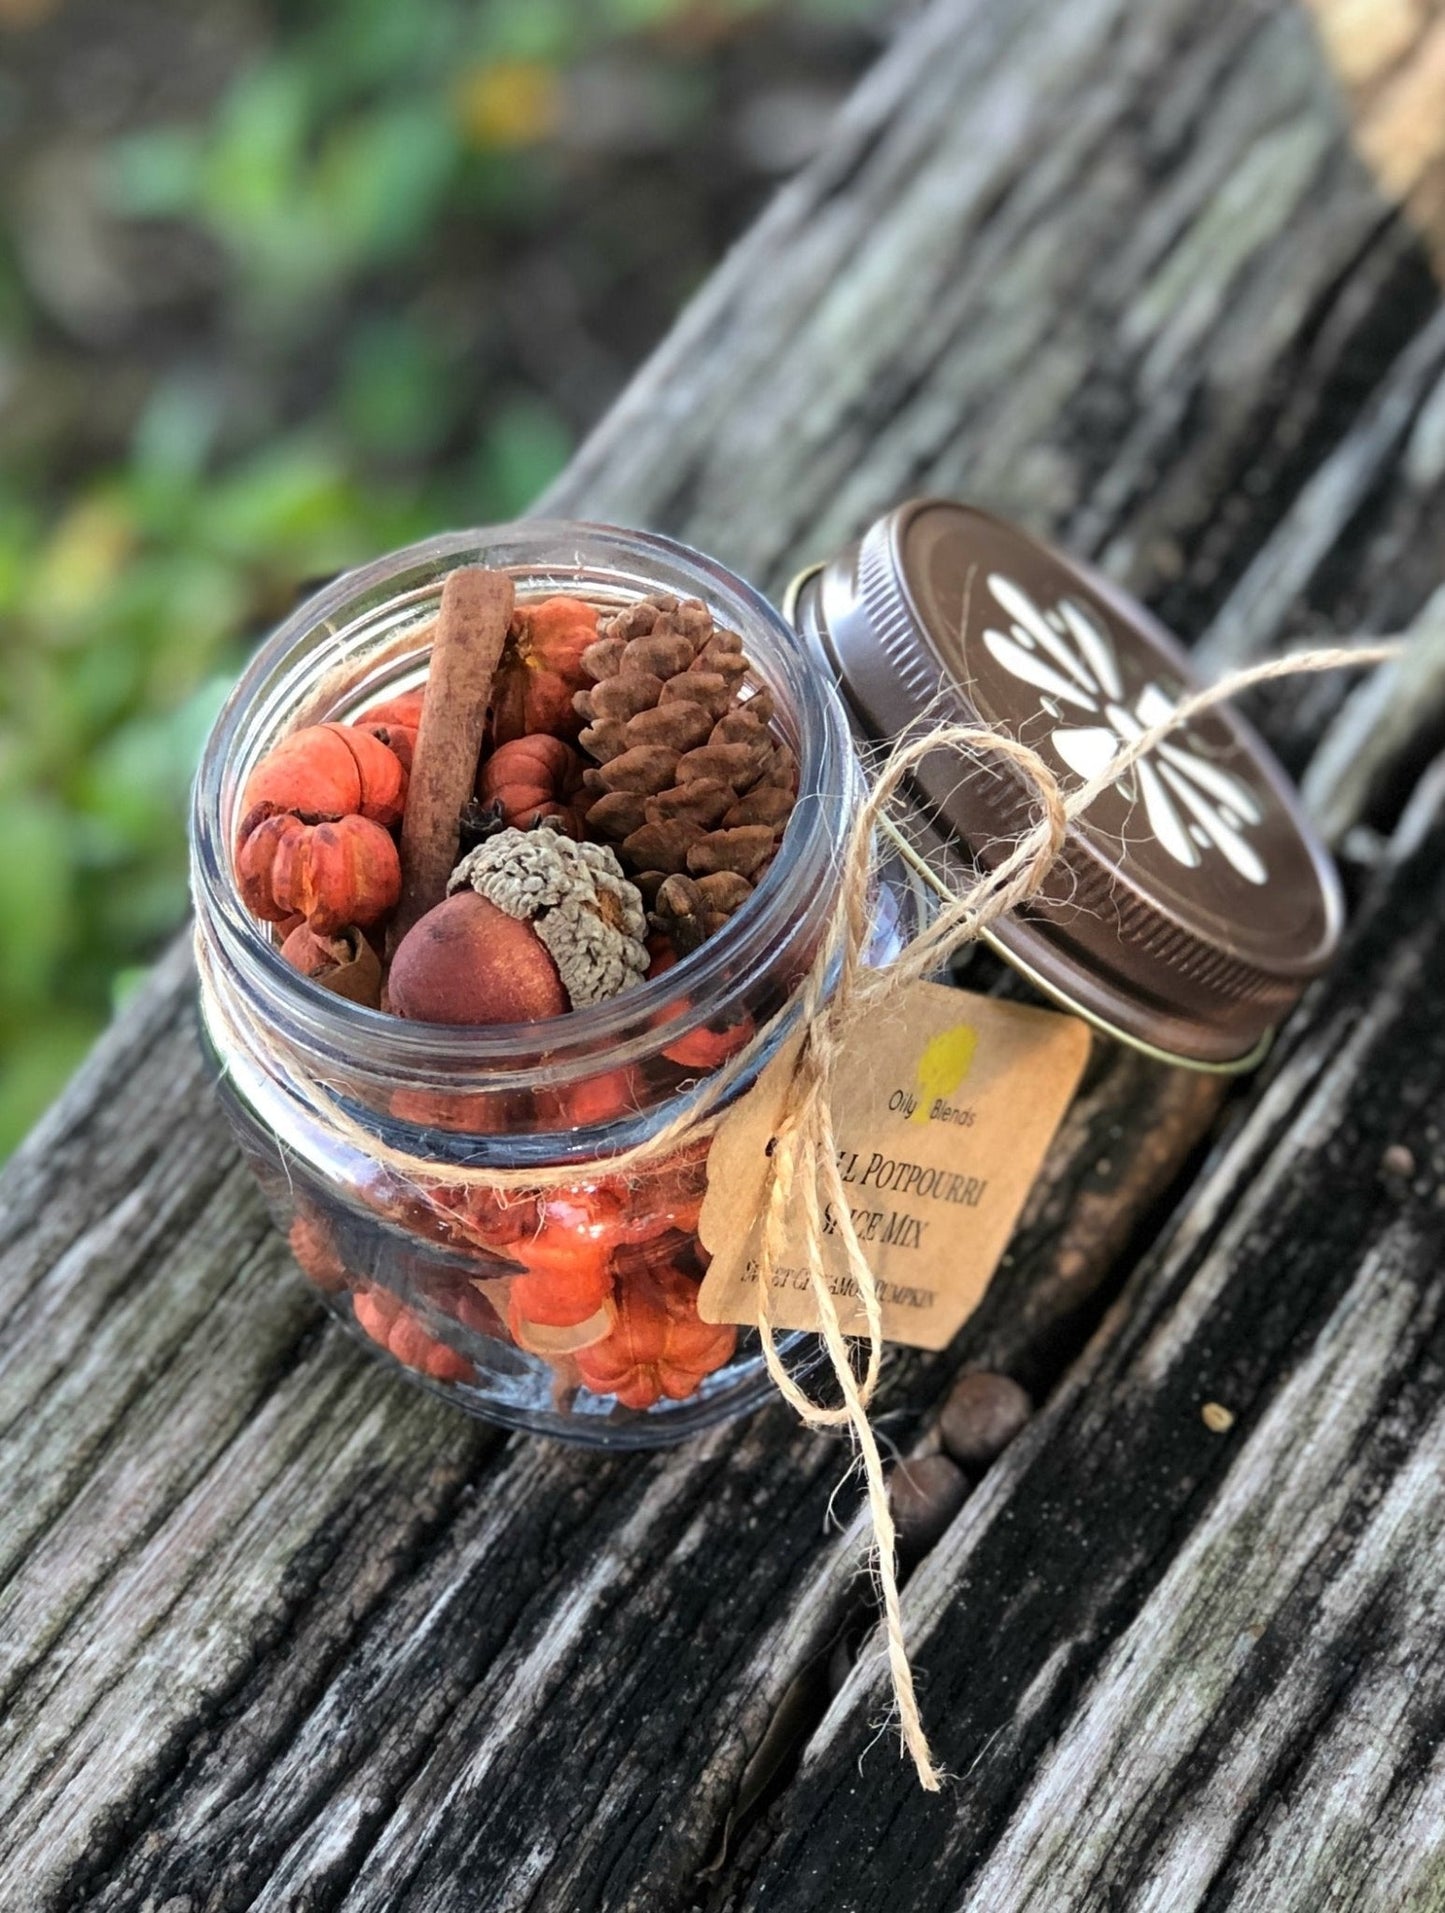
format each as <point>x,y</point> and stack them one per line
<point>541,669</point>
<point>564,1295</point>
<point>395,722</point>
<point>489,1219</point>
<point>345,963</point>
<point>334,874</point>
<point>660,1346</point>
<point>531,780</point>
<point>400,1331</point>
<point>313,1247</point>
<point>403,710</point>
<point>327,771</point>
<point>564,1300</point>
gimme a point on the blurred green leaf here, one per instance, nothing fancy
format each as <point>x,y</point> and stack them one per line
<point>37,1060</point>
<point>177,429</point>
<point>397,389</point>
<point>381,178</point>
<point>253,161</point>
<point>155,174</point>
<point>37,901</point>
<point>525,446</point>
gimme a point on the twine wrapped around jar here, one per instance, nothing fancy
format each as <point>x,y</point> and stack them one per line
<point>838,991</point>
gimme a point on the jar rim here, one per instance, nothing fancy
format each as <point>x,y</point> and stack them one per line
<point>799,882</point>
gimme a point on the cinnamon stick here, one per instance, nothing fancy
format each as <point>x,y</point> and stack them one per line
<point>471,629</point>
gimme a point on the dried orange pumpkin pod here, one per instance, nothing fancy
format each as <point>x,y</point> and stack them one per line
<point>533,778</point>
<point>663,954</point>
<point>486,1219</point>
<point>598,1099</point>
<point>334,874</point>
<point>567,1292</point>
<point>394,1327</point>
<point>403,710</point>
<point>581,1225</point>
<point>348,873</point>
<point>327,771</point>
<point>541,669</point>
<point>708,1049</point>
<point>399,739</point>
<point>660,1346</point>
<point>667,1199</point>
<point>272,839</point>
<point>314,1249</point>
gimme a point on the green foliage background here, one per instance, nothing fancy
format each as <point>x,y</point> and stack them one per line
<point>336,370</point>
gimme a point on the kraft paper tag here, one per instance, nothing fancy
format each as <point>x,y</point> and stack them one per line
<point>943,1107</point>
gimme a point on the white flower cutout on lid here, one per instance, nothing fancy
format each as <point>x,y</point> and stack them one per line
<point>1194,808</point>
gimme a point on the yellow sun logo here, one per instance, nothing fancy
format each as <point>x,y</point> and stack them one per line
<point>945,1061</point>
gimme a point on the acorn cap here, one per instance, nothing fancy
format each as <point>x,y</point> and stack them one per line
<point>1192,902</point>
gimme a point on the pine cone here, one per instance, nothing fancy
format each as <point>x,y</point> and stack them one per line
<point>690,781</point>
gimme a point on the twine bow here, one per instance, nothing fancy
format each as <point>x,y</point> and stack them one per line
<point>838,991</point>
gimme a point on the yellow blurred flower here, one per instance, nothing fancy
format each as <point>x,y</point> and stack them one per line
<point>509,103</point>
<point>80,560</point>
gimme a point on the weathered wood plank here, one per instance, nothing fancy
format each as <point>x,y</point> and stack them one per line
<point>282,1633</point>
<point>1175,1669</point>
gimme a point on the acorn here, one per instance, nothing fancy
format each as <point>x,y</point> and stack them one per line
<point>466,961</point>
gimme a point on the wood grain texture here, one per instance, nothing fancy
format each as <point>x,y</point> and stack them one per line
<point>1173,1668</point>
<point>278,1631</point>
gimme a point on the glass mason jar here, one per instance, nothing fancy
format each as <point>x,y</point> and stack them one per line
<point>572,1311</point>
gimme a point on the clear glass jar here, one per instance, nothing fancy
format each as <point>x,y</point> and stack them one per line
<point>572,1313</point>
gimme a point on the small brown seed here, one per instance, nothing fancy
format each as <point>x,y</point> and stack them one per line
<point>1398,1161</point>
<point>982,1415</point>
<point>1217,1418</point>
<point>681,913</point>
<point>924,1493</point>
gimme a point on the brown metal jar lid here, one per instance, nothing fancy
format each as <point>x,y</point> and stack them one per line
<point>1192,902</point>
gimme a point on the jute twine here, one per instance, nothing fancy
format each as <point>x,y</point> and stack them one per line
<point>840,989</point>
